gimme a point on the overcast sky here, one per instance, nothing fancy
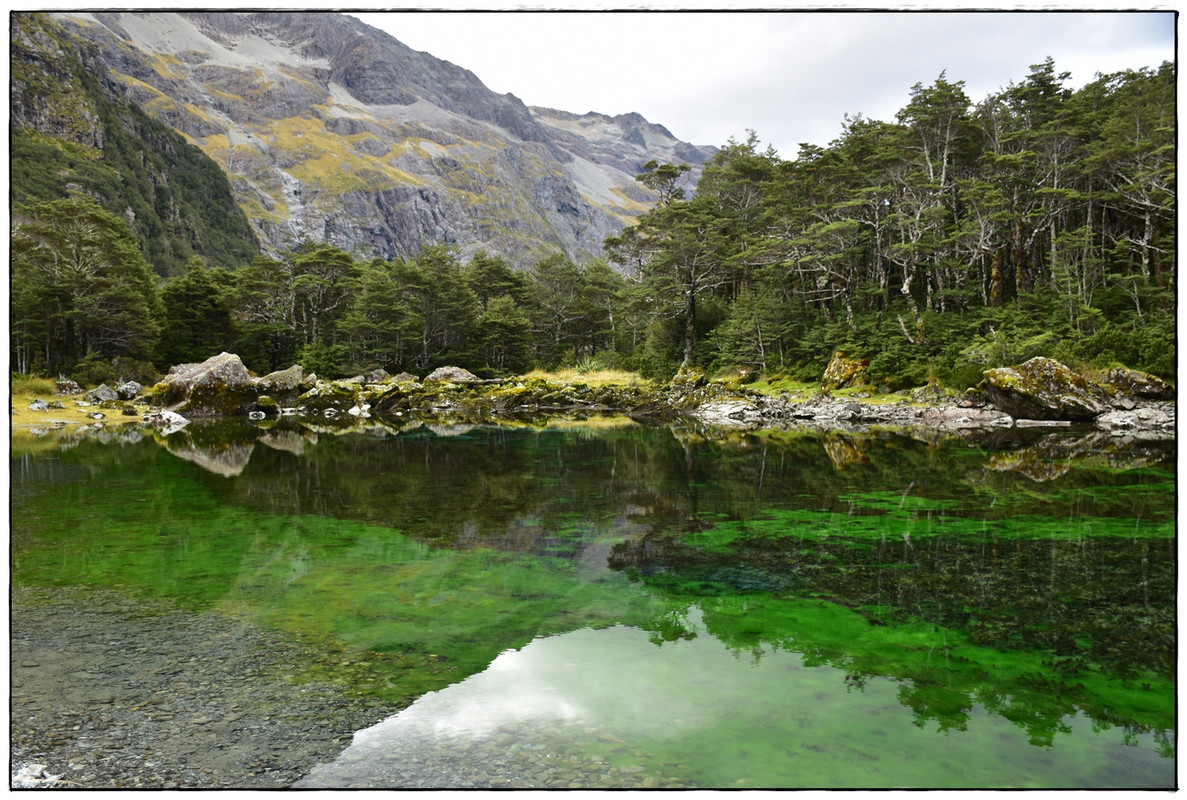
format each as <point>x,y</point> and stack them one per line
<point>791,76</point>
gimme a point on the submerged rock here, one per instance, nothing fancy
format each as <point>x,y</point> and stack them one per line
<point>166,422</point>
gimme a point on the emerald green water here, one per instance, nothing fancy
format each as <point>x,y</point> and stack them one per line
<point>780,610</point>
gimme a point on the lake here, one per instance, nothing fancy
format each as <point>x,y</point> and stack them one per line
<point>600,603</point>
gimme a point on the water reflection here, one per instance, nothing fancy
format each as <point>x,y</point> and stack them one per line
<point>612,708</point>
<point>773,608</point>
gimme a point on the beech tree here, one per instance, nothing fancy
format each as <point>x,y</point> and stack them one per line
<point>675,253</point>
<point>80,287</point>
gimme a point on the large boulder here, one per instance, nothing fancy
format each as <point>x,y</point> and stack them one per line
<point>218,387</point>
<point>1043,388</point>
<point>843,372</point>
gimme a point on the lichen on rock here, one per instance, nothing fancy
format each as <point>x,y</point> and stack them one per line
<point>220,386</point>
<point>1133,383</point>
<point>1043,389</point>
<point>452,375</point>
<point>843,372</point>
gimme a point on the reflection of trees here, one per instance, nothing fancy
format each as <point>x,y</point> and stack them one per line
<point>1095,603</point>
<point>941,678</point>
<point>980,569</point>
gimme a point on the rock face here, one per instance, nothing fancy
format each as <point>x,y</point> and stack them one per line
<point>218,387</point>
<point>1043,389</point>
<point>334,131</point>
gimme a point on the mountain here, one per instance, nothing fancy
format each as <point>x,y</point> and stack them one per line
<point>333,131</point>
<point>72,130</point>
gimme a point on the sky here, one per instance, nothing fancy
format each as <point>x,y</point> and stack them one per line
<point>791,76</point>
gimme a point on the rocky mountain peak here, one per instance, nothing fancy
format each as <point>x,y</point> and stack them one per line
<point>333,131</point>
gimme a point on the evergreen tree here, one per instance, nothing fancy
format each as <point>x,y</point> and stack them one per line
<point>198,322</point>
<point>79,288</point>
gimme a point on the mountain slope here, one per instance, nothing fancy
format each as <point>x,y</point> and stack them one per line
<point>333,131</point>
<point>72,131</point>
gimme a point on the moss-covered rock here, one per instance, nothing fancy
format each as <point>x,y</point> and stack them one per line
<point>1124,382</point>
<point>220,386</point>
<point>843,372</point>
<point>285,383</point>
<point>1043,389</point>
<point>337,395</point>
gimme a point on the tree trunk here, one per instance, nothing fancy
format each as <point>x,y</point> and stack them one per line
<point>997,288</point>
<point>690,325</point>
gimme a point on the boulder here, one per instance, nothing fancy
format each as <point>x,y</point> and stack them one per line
<point>39,405</point>
<point>218,387</point>
<point>330,395</point>
<point>452,375</point>
<point>1126,383</point>
<point>687,378</point>
<point>100,393</point>
<point>285,382</point>
<point>128,390</point>
<point>843,372</point>
<point>1045,389</point>
<point>66,387</point>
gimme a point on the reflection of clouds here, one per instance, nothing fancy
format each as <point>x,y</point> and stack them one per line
<point>567,682</point>
<point>518,688</point>
<point>513,690</point>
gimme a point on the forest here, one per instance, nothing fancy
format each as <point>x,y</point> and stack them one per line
<point>958,237</point>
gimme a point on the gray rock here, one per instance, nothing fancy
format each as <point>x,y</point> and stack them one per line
<point>282,382</point>
<point>128,390</point>
<point>219,386</point>
<point>452,375</point>
<point>100,393</point>
<point>39,405</point>
<point>1131,383</point>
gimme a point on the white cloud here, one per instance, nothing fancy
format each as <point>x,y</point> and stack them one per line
<point>791,77</point>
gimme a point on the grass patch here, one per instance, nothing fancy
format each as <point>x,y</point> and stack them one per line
<point>772,385</point>
<point>593,377</point>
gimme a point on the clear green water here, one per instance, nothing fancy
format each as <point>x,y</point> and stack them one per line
<point>792,610</point>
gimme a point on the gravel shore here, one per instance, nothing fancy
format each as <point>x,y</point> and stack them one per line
<point>112,692</point>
